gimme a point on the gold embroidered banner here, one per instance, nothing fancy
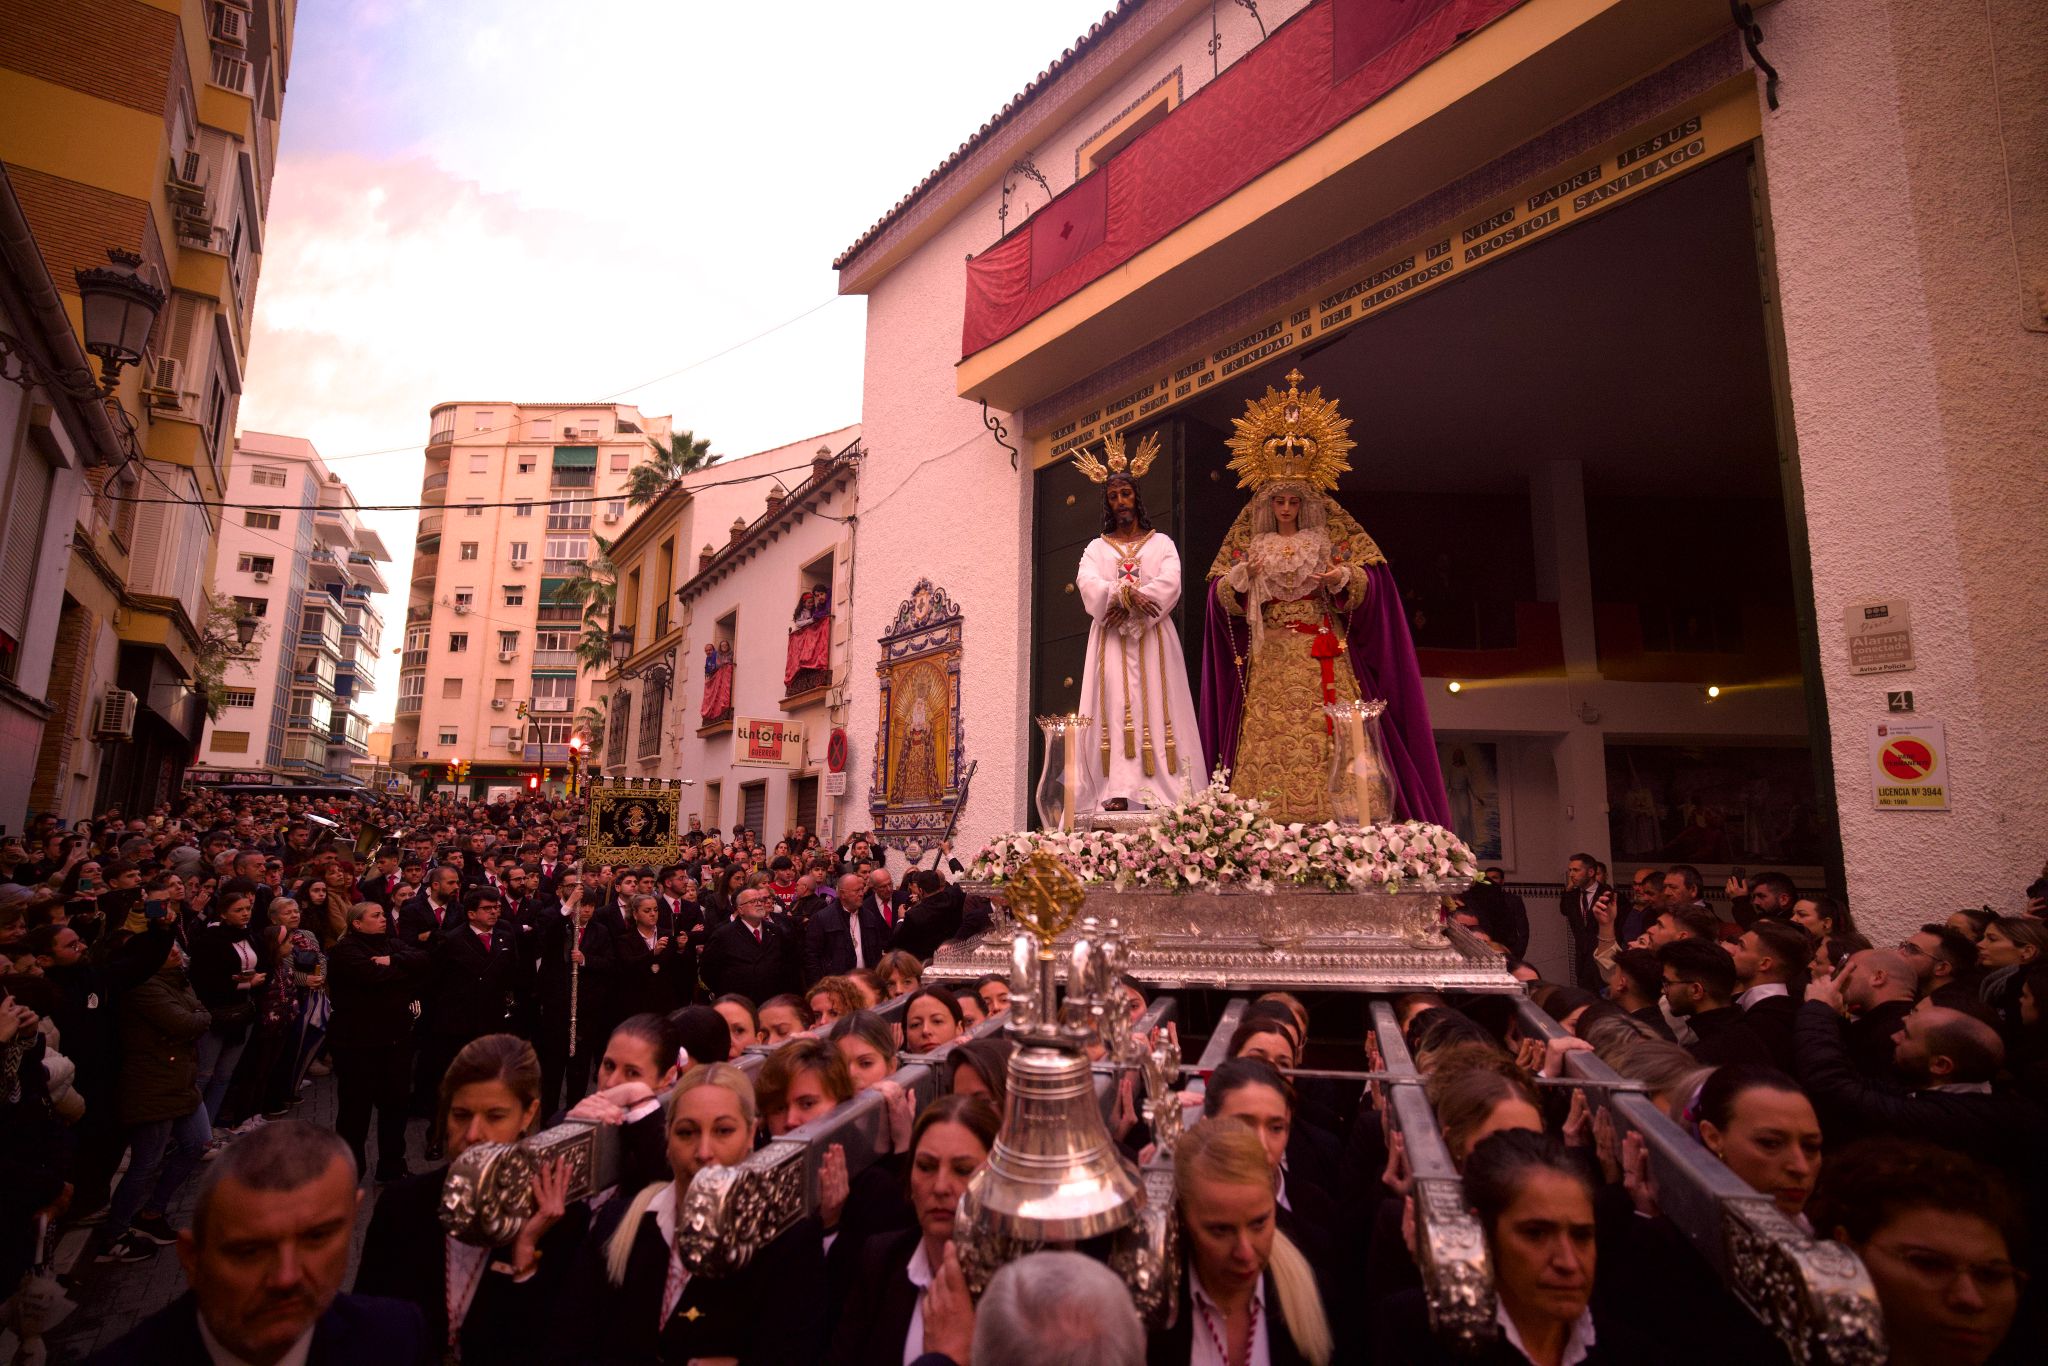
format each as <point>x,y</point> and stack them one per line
<point>634,822</point>
<point>1691,135</point>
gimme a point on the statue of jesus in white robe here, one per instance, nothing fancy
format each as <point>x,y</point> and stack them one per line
<point>1141,748</point>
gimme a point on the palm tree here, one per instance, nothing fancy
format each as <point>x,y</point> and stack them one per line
<point>682,454</point>
<point>591,721</point>
<point>594,584</point>
<point>594,650</point>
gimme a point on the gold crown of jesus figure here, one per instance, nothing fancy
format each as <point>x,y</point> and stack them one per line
<point>1291,438</point>
<point>1115,462</point>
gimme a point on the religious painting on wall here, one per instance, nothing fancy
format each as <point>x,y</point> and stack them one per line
<point>1478,797</point>
<point>919,742</point>
<point>1734,804</point>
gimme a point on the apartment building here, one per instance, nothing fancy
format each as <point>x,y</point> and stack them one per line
<point>306,568</point>
<point>145,134</point>
<point>518,495</point>
<point>732,660</point>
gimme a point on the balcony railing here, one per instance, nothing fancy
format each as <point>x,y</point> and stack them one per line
<point>554,659</point>
<point>437,480</point>
<point>413,659</point>
<point>441,436</point>
<point>407,706</point>
<point>573,479</point>
<point>430,524</point>
<point>229,72</point>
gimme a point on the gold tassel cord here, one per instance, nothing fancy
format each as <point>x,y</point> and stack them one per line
<point>1123,651</point>
<point>1145,707</point>
<point>1166,705</point>
<point>1102,698</point>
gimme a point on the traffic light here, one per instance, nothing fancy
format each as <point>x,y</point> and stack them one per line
<point>577,744</point>
<point>533,782</point>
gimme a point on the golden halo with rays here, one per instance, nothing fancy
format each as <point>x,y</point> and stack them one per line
<point>1291,438</point>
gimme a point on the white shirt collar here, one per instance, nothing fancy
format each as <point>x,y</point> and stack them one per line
<point>1964,1088</point>
<point>921,1274</point>
<point>221,1356</point>
<point>1576,1346</point>
<point>1762,991</point>
<point>663,1208</point>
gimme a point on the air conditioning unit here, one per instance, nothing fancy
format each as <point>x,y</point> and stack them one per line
<point>461,609</point>
<point>514,744</point>
<point>519,564</point>
<point>261,576</point>
<point>610,517</point>
<point>162,389</point>
<point>569,432</point>
<point>187,177</point>
<point>116,718</point>
<point>497,704</point>
<point>507,656</point>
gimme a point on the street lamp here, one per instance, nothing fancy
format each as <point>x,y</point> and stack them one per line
<point>245,629</point>
<point>622,644</point>
<point>120,308</point>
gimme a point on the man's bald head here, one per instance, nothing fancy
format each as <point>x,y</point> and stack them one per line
<point>1939,1046</point>
<point>850,888</point>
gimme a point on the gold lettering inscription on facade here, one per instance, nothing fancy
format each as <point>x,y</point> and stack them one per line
<point>1564,187</point>
<point>1651,146</point>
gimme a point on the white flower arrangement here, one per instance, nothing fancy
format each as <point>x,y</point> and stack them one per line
<point>1220,840</point>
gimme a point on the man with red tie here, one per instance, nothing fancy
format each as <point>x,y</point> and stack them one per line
<point>380,883</point>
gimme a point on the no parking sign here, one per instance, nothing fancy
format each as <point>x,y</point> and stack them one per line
<point>1909,766</point>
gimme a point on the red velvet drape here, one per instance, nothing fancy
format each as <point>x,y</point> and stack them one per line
<point>810,647</point>
<point>1317,70</point>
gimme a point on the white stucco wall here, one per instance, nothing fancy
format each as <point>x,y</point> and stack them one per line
<point>1920,405</point>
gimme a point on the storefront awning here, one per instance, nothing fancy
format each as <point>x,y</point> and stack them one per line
<point>575,457</point>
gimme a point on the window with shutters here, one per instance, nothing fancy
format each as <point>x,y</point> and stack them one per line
<point>753,806</point>
<point>469,550</point>
<point>216,414</point>
<point>714,802</point>
<point>458,642</point>
<point>523,508</point>
<point>501,690</point>
<point>21,544</point>
<point>451,688</point>
<point>261,521</point>
<point>518,550</point>
<point>500,736</point>
<point>252,607</point>
<point>515,595</point>
<point>526,462</point>
<point>465,597</point>
<point>230,742</point>
<point>508,640</point>
<point>484,419</point>
<point>621,461</point>
<point>474,507</point>
<point>479,463</point>
<point>448,739</point>
<point>264,477</point>
<point>255,564</point>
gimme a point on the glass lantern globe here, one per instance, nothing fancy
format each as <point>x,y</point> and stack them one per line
<point>1361,786</point>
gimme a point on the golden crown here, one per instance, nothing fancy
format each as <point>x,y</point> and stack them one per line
<point>1115,462</point>
<point>1291,438</point>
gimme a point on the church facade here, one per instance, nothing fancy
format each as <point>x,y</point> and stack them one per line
<point>1697,408</point>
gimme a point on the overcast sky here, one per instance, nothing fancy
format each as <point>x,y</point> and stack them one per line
<point>526,201</point>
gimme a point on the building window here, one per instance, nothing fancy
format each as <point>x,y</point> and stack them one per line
<point>568,516</point>
<point>484,417</point>
<point>474,508</point>
<point>265,477</point>
<point>621,461</point>
<point>458,641</point>
<point>252,607</point>
<point>230,742</point>
<point>261,521</point>
<point>479,463</point>
<point>255,564</point>
<point>448,739</point>
<point>238,697</point>
<point>523,508</point>
<point>515,595</point>
<point>615,509</point>
<point>451,688</point>
<point>469,550</point>
<point>508,640</point>
<point>551,731</point>
<point>564,554</point>
<point>518,551</point>
<point>464,598</point>
<point>501,690</point>
<point>526,463</point>
<point>500,736</point>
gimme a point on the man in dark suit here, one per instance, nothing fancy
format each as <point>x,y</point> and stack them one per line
<point>1699,982</point>
<point>438,907</point>
<point>1770,975</point>
<point>683,920</point>
<point>932,917</point>
<point>845,934</point>
<point>381,882</point>
<point>751,955</point>
<point>473,975</point>
<point>1878,989</point>
<point>264,1261</point>
<point>1582,893</point>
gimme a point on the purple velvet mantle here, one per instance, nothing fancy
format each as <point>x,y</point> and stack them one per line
<point>1383,657</point>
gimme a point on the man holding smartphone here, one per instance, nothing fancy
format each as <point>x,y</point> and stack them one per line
<point>1584,900</point>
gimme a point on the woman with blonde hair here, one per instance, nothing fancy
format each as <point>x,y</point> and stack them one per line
<point>1248,1293</point>
<point>632,1298</point>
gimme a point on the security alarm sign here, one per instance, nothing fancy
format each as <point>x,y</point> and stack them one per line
<point>1909,766</point>
<point>1880,636</point>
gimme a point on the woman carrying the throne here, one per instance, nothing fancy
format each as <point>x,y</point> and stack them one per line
<point>1303,613</point>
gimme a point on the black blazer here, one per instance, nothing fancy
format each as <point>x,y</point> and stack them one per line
<point>355,1329</point>
<point>828,940</point>
<point>1771,1020</point>
<point>419,917</point>
<point>1724,1037</point>
<point>405,1257</point>
<point>766,1315</point>
<point>923,928</point>
<point>1404,1336</point>
<point>471,985</point>
<point>372,1001</point>
<point>880,1304</point>
<point>1174,1344</point>
<point>648,981</point>
<point>377,889</point>
<point>734,962</point>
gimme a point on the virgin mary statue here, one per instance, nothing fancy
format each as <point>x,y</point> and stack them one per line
<point>1303,612</point>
